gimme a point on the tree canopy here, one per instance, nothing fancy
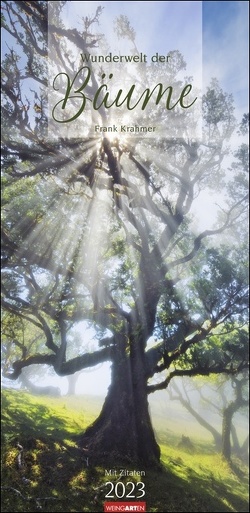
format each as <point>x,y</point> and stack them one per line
<point>102,229</point>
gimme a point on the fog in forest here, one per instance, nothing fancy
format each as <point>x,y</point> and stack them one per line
<point>190,410</point>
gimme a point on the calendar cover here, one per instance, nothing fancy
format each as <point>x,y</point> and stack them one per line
<point>124,276</point>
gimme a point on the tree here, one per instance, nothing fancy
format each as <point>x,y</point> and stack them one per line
<point>18,335</point>
<point>226,396</point>
<point>176,394</point>
<point>239,401</point>
<point>98,229</point>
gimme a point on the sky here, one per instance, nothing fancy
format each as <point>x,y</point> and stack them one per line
<point>160,26</point>
<point>213,38</point>
<point>212,35</point>
<point>226,48</point>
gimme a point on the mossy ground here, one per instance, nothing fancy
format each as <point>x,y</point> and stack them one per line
<point>55,477</point>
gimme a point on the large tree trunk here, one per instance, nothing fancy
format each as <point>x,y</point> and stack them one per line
<point>235,441</point>
<point>228,413</point>
<point>123,430</point>
<point>226,432</point>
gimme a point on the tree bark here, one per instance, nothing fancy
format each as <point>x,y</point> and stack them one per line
<point>244,450</point>
<point>123,431</point>
<point>228,414</point>
<point>226,432</point>
<point>235,441</point>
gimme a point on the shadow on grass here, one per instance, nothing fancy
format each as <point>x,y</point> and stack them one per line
<point>193,494</point>
<point>54,476</point>
<point>21,413</point>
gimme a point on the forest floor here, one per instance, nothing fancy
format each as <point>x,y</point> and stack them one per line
<point>43,470</point>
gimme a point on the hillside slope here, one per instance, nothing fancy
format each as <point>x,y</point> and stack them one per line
<point>44,470</point>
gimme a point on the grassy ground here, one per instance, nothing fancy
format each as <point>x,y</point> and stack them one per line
<point>54,476</point>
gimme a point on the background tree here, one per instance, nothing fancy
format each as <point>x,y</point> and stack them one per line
<point>100,230</point>
<point>18,337</point>
<point>225,396</point>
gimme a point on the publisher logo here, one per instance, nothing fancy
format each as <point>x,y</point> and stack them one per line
<point>124,506</point>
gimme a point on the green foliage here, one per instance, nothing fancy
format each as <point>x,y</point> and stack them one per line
<point>222,280</point>
<point>218,111</point>
<point>230,345</point>
<point>244,125</point>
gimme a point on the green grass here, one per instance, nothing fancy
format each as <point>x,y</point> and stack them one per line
<point>46,428</point>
